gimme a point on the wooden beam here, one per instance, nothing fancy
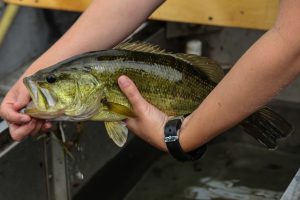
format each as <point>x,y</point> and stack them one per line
<point>68,5</point>
<point>6,20</point>
<point>256,14</point>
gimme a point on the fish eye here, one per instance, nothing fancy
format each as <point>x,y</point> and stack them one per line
<point>50,78</point>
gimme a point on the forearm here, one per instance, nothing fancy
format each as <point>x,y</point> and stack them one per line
<point>103,25</point>
<point>267,67</point>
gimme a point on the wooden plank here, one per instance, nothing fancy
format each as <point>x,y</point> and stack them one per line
<point>69,5</point>
<point>6,20</point>
<point>257,14</point>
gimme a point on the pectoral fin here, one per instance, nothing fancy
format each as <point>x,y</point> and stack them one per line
<point>117,131</point>
<point>118,108</point>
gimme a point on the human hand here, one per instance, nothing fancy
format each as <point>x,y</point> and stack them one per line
<point>149,121</point>
<point>20,125</point>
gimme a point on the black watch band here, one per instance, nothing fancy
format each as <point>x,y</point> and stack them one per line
<point>171,131</point>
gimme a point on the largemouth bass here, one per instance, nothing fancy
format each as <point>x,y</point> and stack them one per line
<point>85,87</point>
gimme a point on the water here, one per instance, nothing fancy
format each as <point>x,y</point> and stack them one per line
<point>234,167</point>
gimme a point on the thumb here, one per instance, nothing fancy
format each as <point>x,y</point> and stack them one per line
<point>22,100</point>
<point>131,92</point>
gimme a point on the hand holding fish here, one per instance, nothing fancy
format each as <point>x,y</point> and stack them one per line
<point>20,125</point>
<point>149,121</point>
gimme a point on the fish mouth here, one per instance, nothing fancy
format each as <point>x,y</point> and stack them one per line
<point>32,88</point>
<point>40,96</point>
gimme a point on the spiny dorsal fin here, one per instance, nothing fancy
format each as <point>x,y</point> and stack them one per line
<point>117,131</point>
<point>139,46</point>
<point>213,71</point>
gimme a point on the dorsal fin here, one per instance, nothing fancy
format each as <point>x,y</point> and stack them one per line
<point>213,71</point>
<point>139,46</point>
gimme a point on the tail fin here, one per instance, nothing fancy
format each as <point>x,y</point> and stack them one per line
<point>267,127</point>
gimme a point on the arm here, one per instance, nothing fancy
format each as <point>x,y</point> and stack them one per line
<point>102,25</point>
<point>266,68</point>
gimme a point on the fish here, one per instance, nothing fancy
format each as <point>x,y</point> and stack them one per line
<point>84,87</point>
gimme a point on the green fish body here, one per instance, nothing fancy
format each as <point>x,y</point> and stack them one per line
<point>85,87</point>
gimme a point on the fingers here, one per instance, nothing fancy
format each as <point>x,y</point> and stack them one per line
<point>20,125</point>
<point>12,116</point>
<point>37,127</point>
<point>46,126</point>
<point>132,93</point>
<point>11,104</point>
<point>19,132</point>
<point>22,99</point>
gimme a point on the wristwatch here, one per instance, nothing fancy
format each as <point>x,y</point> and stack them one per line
<point>172,131</point>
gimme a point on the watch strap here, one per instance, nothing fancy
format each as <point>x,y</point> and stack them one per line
<point>171,131</point>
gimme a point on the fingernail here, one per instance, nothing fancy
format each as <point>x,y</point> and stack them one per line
<point>124,123</point>
<point>25,119</point>
<point>123,81</point>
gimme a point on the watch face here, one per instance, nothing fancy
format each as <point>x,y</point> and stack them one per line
<point>171,138</point>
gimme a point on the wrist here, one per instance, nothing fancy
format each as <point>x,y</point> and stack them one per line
<point>160,139</point>
<point>172,141</point>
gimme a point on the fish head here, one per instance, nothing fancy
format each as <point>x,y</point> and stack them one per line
<point>63,94</point>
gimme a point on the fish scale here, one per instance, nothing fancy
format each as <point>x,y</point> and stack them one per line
<point>186,89</point>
